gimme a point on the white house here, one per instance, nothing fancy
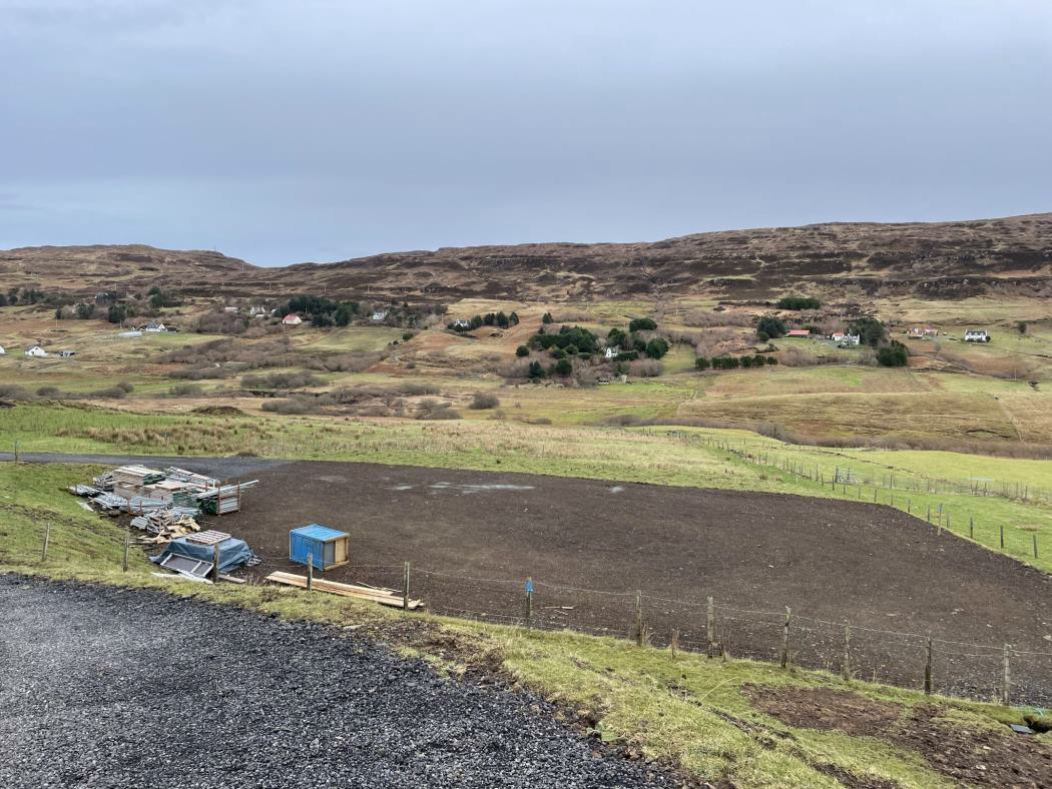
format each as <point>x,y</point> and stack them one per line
<point>461,324</point>
<point>231,310</point>
<point>379,315</point>
<point>845,340</point>
<point>612,351</point>
<point>2,351</point>
<point>36,352</point>
<point>976,335</point>
<point>155,327</point>
<point>67,354</point>
<point>292,319</point>
<point>257,312</point>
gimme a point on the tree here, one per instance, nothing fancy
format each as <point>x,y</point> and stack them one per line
<point>514,318</point>
<point>799,303</point>
<point>521,351</point>
<point>870,331</point>
<point>893,355</point>
<point>769,326</point>
<point>642,324</point>
<point>536,371</point>
<point>563,367</point>
<point>546,318</point>
<point>657,348</point>
<point>116,314</point>
<point>772,360</point>
<point>617,337</point>
<point>701,363</point>
<point>746,362</point>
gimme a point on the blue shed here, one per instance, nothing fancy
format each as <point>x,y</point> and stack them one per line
<point>327,547</point>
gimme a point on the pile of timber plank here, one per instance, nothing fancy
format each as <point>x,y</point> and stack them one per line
<point>372,594</point>
<point>165,525</point>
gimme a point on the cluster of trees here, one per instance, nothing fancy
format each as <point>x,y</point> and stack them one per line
<point>870,331</point>
<point>894,354</point>
<point>798,303</point>
<point>159,298</point>
<point>568,341</point>
<point>321,311</point>
<point>561,368</point>
<point>17,296</point>
<point>769,328</point>
<point>734,362</point>
<point>633,345</point>
<point>498,319</point>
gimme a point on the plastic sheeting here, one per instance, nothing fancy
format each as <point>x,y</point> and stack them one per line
<point>233,553</point>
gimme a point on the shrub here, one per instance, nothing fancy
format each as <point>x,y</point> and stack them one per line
<point>657,348</point>
<point>769,327</point>
<point>646,368</point>
<point>563,367</point>
<point>702,363</point>
<point>536,371</point>
<point>407,336</point>
<point>13,392</point>
<point>894,355</point>
<point>185,390</point>
<point>642,324</point>
<point>483,400</point>
<point>127,387</point>
<point>48,391</point>
<point>522,351</point>
<point>293,380</point>
<point>547,318</point>
<point>799,303</point>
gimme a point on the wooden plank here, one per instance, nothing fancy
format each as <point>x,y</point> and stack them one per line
<point>383,597</point>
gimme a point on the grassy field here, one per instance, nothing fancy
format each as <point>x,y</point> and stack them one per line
<point>683,710</point>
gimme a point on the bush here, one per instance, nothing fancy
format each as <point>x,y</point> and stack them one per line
<point>547,318</point>
<point>894,355</point>
<point>433,409</point>
<point>48,391</point>
<point>127,387</point>
<point>646,368</point>
<point>657,348</point>
<point>186,390</point>
<point>536,371</point>
<point>563,367</point>
<point>769,327</point>
<point>13,392</point>
<point>702,363</point>
<point>407,336</point>
<point>799,303</point>
<point>484,400</point>
<point>522,351</point>
<point>294,380</point>
<point>642,324</point>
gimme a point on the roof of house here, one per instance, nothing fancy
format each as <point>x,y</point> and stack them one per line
<point>798,333</point>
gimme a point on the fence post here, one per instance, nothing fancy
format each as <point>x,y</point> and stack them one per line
<point>639,618</point>
<point>1006,680</point>
<point>405,588</point>
<point>529,602</point>
<point>929,513</point>
<point>310,571</point>
<point>909,506</point>
<point>710,626</point>
<point>1002,536</point>
<point>927,671</point>
<point>127,545</point>
<point>1035,545</point>
<point>18,454</point>
<point>673,645</point>
<point>971,527</point>
<point>47,539</point>
<point>215,563</point>
<point>785,638</point>
<point>845,669</point>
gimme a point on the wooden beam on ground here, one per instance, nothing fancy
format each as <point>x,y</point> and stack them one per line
<point>382,596</point>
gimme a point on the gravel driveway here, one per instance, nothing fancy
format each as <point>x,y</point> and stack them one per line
<point>104,687</point>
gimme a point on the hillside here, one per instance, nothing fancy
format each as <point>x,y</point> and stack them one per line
<point>945,260</point>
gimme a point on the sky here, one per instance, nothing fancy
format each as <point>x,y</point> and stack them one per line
<point>319,130</point>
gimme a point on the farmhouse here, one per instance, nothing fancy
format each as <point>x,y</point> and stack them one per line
<point>2,351</point>
<point>67,354</point>
<point>379,315</point>
<point>845,340</point>
<point>36,352</point>
<point>155,327</point>
<point>612,351</point>
<point>976,335</point>
<point>922,333</point>
<point>292,319</point>
<point>461,324</point>
<point>798,333</point>
<point>257,312</point>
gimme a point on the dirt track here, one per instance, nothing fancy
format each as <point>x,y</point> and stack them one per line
<point>829,560</point>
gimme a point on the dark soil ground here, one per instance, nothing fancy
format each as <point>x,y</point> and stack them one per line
<point>985,757</point>
<point>473,538</point>
<point>106,687</point>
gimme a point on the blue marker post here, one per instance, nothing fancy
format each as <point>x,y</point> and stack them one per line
<point>529,603</point>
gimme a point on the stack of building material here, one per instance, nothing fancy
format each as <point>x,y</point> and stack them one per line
<point>166,489</point>
<point>84,490</point>
<point>190,478</point>
<point>104,481</point>
<point>224,499</point>
<point>165,525</point>
<point>373,594</point>
<point>110,503</point>
<point>136,476</point>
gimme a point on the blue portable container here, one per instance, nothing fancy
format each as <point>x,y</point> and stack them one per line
<point>327,547</point>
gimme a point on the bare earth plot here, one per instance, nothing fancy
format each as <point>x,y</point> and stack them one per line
<point>473,538</point>
<point>103,687</point>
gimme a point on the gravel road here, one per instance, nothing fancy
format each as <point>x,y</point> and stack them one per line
<point>104,687</point>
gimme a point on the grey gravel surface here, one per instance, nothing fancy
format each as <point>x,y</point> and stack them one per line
<point>103,687</point>
<point>220,467</point>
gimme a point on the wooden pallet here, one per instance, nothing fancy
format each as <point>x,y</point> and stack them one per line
<point>387,597</point>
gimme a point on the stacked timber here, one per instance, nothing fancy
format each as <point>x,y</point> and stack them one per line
<point>373,594</point>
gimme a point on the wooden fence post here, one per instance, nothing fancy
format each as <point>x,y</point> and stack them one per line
<point>1002,536</point>
<point>927,670</point>
<point>710,626</point>
<point>127,545</point>
<point>310,571</point>
<point>1035,545</point>
<point>639,618</point>
<point>405,588</point>
<point>47,539</point>
<point>785,638</point>
<point>215,563</point>
<point>845,669</point>
<point>971,527</point>
<point>673,645</point>
<point>1006,679</point>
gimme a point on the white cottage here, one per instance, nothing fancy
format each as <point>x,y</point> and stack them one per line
<point>36,352</point>
<point>976,335</point>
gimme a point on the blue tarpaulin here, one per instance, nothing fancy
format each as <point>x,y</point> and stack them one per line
<point>233,553</point>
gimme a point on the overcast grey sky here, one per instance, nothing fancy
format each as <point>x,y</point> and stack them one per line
<point>283,131</point>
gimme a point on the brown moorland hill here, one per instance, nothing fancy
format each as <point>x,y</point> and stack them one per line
<point>933,260</point>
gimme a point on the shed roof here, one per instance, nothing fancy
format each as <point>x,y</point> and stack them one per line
<point>318,532</point>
